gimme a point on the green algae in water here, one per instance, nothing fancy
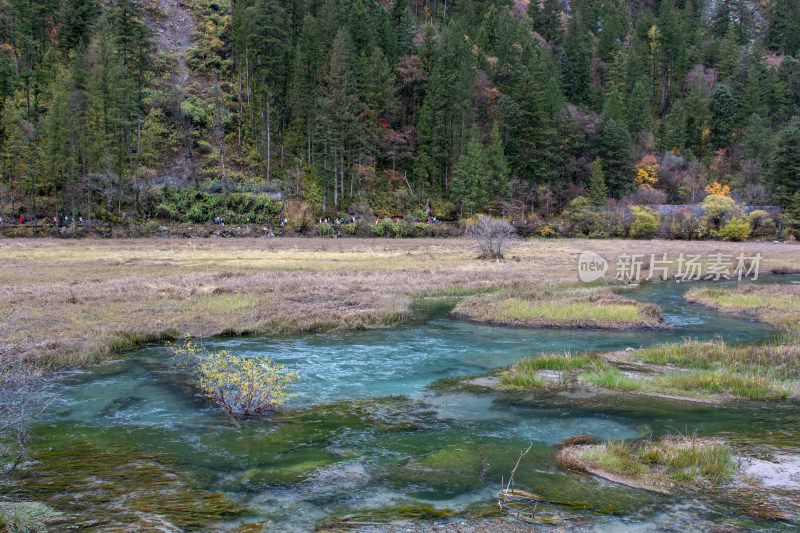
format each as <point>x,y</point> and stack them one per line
<point>120,485</point>
<point>451,470</point>
<point>288,469</point>
<point>384,515</point>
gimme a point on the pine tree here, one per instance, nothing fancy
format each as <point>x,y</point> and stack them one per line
<point>548,23</point>
<point>639,109</point>
<point>433,132</point>
<point>578,48</point>
<point>306,69</point>
<point>597,193</point>
<point>723,114</point>
<point>498,178</point>
<point>782,26</point>
<point>614,27</point>
<point>613,107</point>
<point>77,18</point>
<point>617,158</point>
<point>405,31</point>
<point>378,87</point>
<point>267,48</point>
<point>341,107</point>
<point>470,176</point>
<point>785,168</point>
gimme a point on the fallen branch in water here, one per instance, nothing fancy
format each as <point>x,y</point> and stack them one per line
<point>509,492</point>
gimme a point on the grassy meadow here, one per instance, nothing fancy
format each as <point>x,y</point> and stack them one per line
<point>656,464</point>
<point>776,304</point>
<point>593,309</point>
<point>84,299</point>
<point>691,369</point>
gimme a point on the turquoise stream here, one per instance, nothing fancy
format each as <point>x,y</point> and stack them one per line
<point>143,400</point>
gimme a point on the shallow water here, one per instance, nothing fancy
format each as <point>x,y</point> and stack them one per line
<point>342,462</point>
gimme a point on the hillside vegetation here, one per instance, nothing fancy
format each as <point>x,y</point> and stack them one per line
<point>406,109</point>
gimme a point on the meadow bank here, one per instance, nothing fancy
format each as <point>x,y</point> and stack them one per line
<point>82,300</point>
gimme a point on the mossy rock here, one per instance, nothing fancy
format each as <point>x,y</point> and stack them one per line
<point>451,470</point>
<point>121,485</point>
<point>392,413</point>
<point>289,469</point>
<point>383,515</point>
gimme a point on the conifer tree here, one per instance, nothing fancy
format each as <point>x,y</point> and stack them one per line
<point>499,183</point>
<point>470,176</point>
<point>617,158</point>
<point>639,109</point>
<point>578,48</point>
<point>613,107</point>
<point>723,114</point>
<point>341,107</point>
<point>597,193</point>
<point>785,168</point>
<point>547,20</point>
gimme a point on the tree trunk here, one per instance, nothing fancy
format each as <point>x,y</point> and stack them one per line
<point>269,145</point>
<point>341,171</point>
<point>298,177</point>
<point>239,112</point>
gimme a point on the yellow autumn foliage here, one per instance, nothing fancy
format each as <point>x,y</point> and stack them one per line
<point>647,170</point>
<point>717,189</point>
<point>245,386</point>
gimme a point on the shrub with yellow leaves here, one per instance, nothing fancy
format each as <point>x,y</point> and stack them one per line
<point>647,170</point>
<point>245,386</point>
<point>718,189</point>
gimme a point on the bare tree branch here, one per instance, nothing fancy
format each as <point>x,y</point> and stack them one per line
<point>491,235</point>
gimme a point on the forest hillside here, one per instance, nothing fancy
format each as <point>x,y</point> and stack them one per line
<point>300,110</point>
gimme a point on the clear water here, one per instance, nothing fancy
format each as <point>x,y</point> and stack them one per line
<point>143,400</point>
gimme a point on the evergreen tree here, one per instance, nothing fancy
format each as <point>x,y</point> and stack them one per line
<point>597,193</point>
<point>498,184</point>
<point>785,168</point>
<point>613,107</point>
<point>578,49</point>
<point>723,113</point>
<point>267,47</point>
<point>306,69</point>
<point>341,107</point>
<point>614,17</point>
<point>378,87</point>
<point>639,109</point>
<point>547,20</point>
<point>405,31</point>
<point>617,158</point>
<point>433,132</point>
<point>782,26</point>
<point>77,18</point>
<point>470,177</point>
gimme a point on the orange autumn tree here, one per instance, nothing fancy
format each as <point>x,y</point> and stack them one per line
<point>717,189</point>
<point>647,170</point>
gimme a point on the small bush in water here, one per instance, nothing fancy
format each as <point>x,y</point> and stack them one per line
<point>245,386</point>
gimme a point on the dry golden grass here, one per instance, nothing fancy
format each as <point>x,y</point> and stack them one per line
<point>86,298</point>
<point>777,304</point>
